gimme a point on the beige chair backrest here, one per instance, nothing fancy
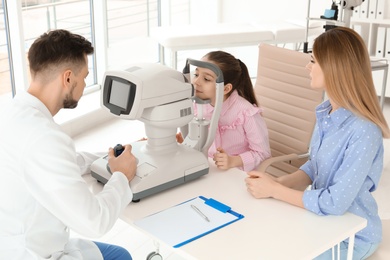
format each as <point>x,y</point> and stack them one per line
<point>283,90</point>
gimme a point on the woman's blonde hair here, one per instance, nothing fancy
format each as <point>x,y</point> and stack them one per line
<point>344,60</point>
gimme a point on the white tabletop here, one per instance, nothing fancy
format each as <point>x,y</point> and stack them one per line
<point>270,229</point>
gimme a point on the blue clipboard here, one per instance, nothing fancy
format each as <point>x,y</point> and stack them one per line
<point>181,224</point>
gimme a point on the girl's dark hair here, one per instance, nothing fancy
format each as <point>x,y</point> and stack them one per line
<point>234,72</point>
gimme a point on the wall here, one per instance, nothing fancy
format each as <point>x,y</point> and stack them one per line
<point>268,10</point>
<point>206,12</point>
<point>213,11</point>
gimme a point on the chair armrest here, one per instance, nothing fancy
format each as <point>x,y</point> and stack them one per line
<point>268,162</point>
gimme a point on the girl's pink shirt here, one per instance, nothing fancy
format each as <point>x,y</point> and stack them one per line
<point>241,131</point>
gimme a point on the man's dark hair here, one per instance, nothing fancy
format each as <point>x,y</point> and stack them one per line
<point>58,47</point>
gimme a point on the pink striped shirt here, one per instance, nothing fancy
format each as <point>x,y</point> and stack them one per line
<point>241,131</point>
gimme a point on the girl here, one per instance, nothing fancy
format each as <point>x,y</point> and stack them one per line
<point>241,139</point>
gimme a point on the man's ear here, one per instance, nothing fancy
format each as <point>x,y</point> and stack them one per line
<point>227,88</point>
<point>67,78</point>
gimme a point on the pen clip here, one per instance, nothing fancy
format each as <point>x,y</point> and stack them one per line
<point>217,205</point>
<point>200,212</point>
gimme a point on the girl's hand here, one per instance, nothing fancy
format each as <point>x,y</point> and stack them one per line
<point>224,161</point>
<point>221,159</point>
<point>179,138</point>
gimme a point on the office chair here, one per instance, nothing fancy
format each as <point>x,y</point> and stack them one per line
<point>283,90</point>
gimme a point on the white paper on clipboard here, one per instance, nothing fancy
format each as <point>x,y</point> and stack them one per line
<point>181,224</point>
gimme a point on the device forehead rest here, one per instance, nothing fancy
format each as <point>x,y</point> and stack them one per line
<point>204,64</point>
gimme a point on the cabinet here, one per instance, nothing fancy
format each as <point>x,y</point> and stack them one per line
<point>318,17</point>
<point>372,21</point>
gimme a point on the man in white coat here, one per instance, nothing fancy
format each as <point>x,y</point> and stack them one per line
<point>42,193</point>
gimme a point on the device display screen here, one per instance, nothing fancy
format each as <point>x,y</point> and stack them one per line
<point>119,95</point>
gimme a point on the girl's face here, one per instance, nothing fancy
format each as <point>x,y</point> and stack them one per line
<point>316,74</point>
<point>204,81</point>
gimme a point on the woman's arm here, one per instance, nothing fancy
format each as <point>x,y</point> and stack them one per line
<point>298,180</point>
<point>288,188</point>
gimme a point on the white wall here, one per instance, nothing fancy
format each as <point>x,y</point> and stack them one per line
<point>206,12</point>
<point>269,10</point>
<point>213,11</point>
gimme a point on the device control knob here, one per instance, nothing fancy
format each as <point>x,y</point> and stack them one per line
<point>118,149</point>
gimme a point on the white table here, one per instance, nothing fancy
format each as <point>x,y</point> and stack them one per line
<point>192,37</point>
<point>270,230</point>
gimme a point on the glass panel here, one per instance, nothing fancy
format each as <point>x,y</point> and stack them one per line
<point>128,25</point>
<point>180,12</point>
<point>40,16</point>
<point>5,75</point>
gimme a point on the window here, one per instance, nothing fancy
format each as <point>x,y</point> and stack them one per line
<point>118,29</point>
<point>21,25</point>
<point>40,16</point>
<point>128,25</point>
<point>5,74</point>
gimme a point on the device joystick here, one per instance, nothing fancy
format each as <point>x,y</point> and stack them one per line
<point>118,149</point>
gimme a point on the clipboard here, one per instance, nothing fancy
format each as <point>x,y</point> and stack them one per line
<point>181,224</point>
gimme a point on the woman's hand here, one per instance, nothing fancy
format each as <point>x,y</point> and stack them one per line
<point>260,185</point>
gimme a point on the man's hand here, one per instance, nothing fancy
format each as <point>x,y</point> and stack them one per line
<point>125,163</point>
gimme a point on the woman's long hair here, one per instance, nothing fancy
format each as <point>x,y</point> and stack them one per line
<point>344,60</point>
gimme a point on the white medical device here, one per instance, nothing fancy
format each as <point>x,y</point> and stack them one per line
<point>162,98</point>
<point>348,6</point>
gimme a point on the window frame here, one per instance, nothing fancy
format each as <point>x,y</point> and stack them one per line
<point>90,102</point>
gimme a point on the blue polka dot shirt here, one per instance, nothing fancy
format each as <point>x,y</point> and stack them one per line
<point>345,165</point>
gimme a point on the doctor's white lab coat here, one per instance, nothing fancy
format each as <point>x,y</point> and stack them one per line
<point>42,193</point>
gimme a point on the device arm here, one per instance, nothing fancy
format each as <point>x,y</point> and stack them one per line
<point>219,98</point>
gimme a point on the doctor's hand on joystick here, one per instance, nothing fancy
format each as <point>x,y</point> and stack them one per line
<point>122,160</point>
<point>118,149</point>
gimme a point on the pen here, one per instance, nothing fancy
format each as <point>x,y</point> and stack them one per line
<point>200,213</point>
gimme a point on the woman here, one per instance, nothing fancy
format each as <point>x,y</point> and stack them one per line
<point>346,153</point>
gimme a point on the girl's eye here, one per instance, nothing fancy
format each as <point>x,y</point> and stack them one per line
<point>206,79</point>
<point>312,61</point>
<point>196,75</point>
